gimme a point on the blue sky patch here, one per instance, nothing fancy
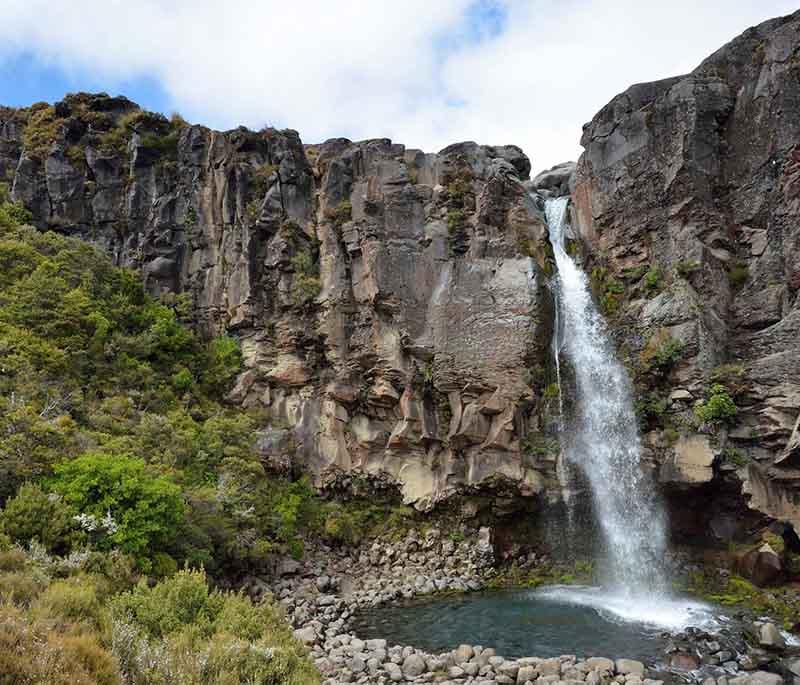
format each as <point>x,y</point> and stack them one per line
<point>25,80</point>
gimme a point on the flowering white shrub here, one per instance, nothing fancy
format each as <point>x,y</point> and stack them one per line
<point>91,524</point>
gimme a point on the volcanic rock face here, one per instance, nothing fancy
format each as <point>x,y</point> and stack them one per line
<point>389,303</point>
<point>392,306</point>
<point>688,193</point>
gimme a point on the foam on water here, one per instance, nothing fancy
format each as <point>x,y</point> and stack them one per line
<point>665,613</point>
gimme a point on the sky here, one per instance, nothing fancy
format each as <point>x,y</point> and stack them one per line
<point>425,73</point>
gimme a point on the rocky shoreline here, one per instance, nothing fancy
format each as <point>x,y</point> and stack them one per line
<point>322,594</point>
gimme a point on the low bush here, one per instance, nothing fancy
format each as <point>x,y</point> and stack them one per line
<point>738,273</point>
<point>718,408</point>
<point>32,652</point>
<point>21,587</point>
<point>34,514</point>
<point>686,268</point>
<point>208,636</point>
<point>306,284</point>
<point>72,600</point>
<point>661,353</point>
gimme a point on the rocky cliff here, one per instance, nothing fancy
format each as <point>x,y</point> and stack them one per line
<point>687,199</point>
<point>390,304</point>
<point>394,307</point>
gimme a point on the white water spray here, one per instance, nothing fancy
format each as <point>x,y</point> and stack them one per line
<point>604,440</point>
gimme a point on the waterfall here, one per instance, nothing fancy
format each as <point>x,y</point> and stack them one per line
<point>603,434</point>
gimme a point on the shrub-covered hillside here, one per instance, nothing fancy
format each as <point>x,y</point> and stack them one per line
<point>112,433</point>
<point>119,465</point>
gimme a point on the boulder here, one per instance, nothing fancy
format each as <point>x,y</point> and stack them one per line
<point>770,637</point>
<point>463,653</point>
<point>757,678</point>
<point>762,565</point>
<point>629,666</point>
<point>599,663</point>
<point>691,463</point>
<point>414,665</point>
<point>307,635</point>
<point>556,179</point>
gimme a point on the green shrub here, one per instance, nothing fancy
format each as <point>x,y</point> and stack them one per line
<point>731,455</point>
<point>670,435</point>
<point>125,504</point>
<point>306,284</point>
<point>252,211</point>
<point>14,213</point>
<point>661,353</point>
<point>733,376</point>
<point>609,290</point>
<point>652,280</point>
<point>163,145</point>
<point>456,222</point>
<point>223,364</point>
<point>718,408</point>
<point>551,391</point>
<point>634,273</point>
<point>262,177</point>
<point>650,407</point>
<point>340,528</point>
<point>687,268</point>
<point>182,380</point>
<point>738,273</point>
<point>41,131</point>
<point>180,601</point>
<point>34,514</point>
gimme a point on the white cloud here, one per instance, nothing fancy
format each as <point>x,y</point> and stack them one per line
<point>376,68</point>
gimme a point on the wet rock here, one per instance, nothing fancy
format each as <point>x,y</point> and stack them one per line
<point>770,637</point>
<point>684,661</point>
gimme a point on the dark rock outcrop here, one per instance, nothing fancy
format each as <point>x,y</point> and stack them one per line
<point>688,193</point>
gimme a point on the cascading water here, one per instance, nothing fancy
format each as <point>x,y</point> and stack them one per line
<point>604,444</point>
<point>605,440</point>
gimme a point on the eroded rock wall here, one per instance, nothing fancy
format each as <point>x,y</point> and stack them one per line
<point>688,201</point>
<point>390,304</point>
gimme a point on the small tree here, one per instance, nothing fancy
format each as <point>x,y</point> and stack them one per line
<point>120,500</point>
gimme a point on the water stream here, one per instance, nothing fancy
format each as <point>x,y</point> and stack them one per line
<point>602,440</point>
